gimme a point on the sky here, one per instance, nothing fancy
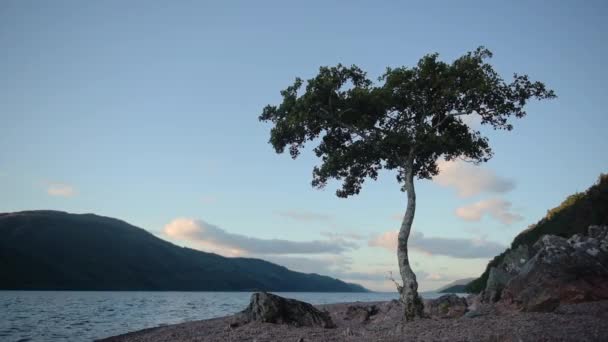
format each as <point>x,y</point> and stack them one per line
<point>147,111</point>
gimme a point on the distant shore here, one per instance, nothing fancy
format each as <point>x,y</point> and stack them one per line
<point>570,322</point>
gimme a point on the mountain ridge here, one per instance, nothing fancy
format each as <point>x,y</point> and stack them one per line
<point>56,250</point>
<point>456,286</point>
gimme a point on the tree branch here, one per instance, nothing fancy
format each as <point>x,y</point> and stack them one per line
<point>399,286</point>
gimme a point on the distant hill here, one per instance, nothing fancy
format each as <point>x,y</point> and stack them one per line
<point>457,286</point>
<point>51,250</point>
<point>573,216</point>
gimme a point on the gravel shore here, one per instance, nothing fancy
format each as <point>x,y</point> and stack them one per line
<point>572,322</point>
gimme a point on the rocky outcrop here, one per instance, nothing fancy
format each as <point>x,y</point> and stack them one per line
<point>499,276</point>
<point>270,308</point>
<point>561,271</point>
<point>446,306</point>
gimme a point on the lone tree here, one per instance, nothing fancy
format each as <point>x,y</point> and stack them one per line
<point>413,117</point>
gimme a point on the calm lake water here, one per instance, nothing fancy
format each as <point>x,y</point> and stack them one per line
<point>85,316</point>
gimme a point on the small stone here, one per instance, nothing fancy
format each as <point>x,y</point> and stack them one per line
<point>473,314</point>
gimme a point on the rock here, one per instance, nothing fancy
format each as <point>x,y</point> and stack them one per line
<point>473,314</point>
<point>562,271</point>
<point>473,302</point>
<point>497,279</point>
<point>270,308</point>
<point>360,313</point>
<point>446,306</point>
<point>512,263</point>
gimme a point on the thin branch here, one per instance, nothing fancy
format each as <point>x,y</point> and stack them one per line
<point>472,161</point>
<point>390,277</point>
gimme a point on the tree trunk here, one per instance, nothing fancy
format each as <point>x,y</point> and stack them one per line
<point>409,290</point>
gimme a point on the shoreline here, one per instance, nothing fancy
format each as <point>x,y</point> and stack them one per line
<point>570,322</point>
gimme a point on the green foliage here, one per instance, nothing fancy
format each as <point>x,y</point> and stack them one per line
<point>573,216</point>
<point>49,250</point>
<point>408,120</point>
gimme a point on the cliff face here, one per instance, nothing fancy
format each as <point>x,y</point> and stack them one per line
<point>50,250</point>
<point>573,216</point>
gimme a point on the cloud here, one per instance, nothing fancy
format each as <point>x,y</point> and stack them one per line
<point>453,247</point>
<point>343,236</point>
<point>331,265</point>
<point>220,241</point>
<point>386,240</point>
<point>304,216</point>
<point>470,180</point>
<point>61,190</point>
<point>497,208</point>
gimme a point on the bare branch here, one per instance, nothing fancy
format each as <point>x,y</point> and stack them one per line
<point>390,277</point>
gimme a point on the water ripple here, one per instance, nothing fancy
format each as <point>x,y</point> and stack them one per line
<point>84,316</point>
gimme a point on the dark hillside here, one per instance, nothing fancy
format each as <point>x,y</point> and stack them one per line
<point>50,250</point>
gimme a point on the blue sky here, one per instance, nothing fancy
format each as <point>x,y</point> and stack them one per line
<point>147,111</point>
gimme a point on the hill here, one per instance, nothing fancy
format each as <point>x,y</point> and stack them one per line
<point>573,216</point>
<point>51,250</point>
<point>457,286</point>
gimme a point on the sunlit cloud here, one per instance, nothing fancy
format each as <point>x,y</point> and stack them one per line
<point>453,247</point>
<point>216,239</point>
<point>470,180</point>
<point>60,190</point>
<point>496,208</point>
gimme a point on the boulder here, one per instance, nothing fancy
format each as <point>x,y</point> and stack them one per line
<point>510,266</point>
<point>270,308</point>
<point>360,313</point>
<point>446,306</point>
<point>562,271</point>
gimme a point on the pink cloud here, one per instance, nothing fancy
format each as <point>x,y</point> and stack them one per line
<point>61,190</point>
<point>470,180</point>
<point>496,208</point>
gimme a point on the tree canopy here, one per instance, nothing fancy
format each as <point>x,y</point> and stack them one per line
<point>406,121</point>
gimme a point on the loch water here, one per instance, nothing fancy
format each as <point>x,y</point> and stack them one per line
<point>89,315</point>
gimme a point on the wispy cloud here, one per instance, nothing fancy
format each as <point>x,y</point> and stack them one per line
<point>496,208</point>
<point>216,239</point>
<point>343,236</point>
<point>453,247</point>
<point>305,216</point>
<point>330,265</point>
<point>470,180</point>
<point>60,190</point>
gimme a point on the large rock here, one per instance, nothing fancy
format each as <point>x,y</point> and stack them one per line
<point>270,308</point>
<point>562,271</point>
<point>446,306</point>
<point>510,267</point>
